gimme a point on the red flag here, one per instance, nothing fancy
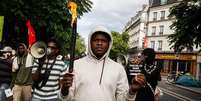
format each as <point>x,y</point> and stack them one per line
<point>31,33</point>
<point>145,41</point>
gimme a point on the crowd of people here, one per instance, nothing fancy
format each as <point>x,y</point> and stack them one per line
<point>95,77</point>
<point>18,72</point>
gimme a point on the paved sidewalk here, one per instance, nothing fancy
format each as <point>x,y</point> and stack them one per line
<point>193,89</point>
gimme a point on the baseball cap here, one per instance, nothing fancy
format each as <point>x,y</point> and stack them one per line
<point>7,49</point>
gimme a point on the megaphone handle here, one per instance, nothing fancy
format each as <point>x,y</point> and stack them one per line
<point>41,62</point>
<point>70,70</point>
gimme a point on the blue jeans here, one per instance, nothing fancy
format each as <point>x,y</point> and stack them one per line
<point>2,93</point>
<point>37,99</point>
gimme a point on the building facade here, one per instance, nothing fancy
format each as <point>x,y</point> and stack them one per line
<point>137,28</point>
<point>157,29</point>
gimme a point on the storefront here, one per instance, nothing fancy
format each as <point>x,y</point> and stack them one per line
<point>181,62</point>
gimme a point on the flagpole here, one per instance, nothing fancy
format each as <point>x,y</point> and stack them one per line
<point>72,6</point>
<point>73,10</point>
<point>72,47</point>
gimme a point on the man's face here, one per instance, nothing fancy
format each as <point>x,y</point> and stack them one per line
<point>54,50</point>
<point>7,55</point>
<point>99,44</point>
<point>21,50</point>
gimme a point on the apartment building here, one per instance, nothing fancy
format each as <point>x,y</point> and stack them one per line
<point>137,28</point>
<point>156,28</point>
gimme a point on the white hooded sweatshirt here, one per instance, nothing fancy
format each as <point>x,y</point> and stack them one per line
<point>88,84</point>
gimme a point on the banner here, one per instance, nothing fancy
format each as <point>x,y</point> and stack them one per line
<point>31,33</point>
<point>1,27</point>
<point>145,42</point>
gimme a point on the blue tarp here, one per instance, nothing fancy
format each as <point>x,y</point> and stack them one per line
<point>188,80</point>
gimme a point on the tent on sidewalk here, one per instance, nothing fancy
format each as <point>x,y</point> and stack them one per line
<point>187,80</point>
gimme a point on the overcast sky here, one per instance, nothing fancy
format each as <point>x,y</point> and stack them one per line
<point>113,14</point>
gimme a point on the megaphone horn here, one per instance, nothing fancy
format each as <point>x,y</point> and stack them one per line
<point>38,49</point>
<point>122,59</point>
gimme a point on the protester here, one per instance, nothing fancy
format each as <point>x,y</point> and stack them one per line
<point>5,71</point>
<point>152,74</point>
<point>96,77</point>
<point>22,68</point>
<point>52,70</point>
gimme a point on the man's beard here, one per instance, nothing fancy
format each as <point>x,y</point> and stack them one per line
<point>21,54</point>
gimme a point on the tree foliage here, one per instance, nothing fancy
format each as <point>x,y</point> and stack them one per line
<point>80,46</point>
<point>50,18</point>
<point>120,44</point>
<point>187,25</point>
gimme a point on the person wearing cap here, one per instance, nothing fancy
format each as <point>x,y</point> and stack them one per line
<point>96,77</point>
<point>7,52</point>
<point>5,71</point>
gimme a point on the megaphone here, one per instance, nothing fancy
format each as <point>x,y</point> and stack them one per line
<point>38,49</point>
<point>122,59</point>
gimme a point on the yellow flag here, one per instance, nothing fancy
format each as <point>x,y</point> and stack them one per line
<point>72,6</point>
<point>1,27</point>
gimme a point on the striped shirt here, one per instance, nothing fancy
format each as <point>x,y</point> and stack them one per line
<point>51,89</point>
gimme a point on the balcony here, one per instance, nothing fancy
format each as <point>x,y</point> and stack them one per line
<point>159,49</point>
<point>160,33</point>
<point>153,34</point>
<point>162,18</point>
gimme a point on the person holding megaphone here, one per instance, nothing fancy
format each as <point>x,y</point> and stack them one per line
<point>47,73</point>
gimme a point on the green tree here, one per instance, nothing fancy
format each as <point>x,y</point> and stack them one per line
<point>80,46</point>
<point>120,44</point>
<point>50,18</point>
<point>187,25</point>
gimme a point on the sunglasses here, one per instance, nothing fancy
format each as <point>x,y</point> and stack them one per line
<point>53,47</point>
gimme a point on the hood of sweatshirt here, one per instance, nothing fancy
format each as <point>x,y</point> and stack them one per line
<point>105,31</point>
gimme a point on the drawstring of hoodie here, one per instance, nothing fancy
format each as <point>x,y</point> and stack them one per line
<point>102,71</point>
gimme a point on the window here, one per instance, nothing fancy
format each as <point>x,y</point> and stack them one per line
<point>161,30</point>
<point>152,44</point>
<point>163,2</point>
<point>137,42</point>
<point>145,29</point>
<point>153,30</point>
<point>154,16</point>
<point>162,15</point>
<point>160,42</point>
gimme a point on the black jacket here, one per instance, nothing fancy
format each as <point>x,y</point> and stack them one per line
<point>5,71</point>
<point>152,76</point>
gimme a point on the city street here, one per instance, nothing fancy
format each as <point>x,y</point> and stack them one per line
<point>173,92</point>
<point>66,50</point>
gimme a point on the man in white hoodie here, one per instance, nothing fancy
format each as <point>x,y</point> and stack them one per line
<point>96,77</point>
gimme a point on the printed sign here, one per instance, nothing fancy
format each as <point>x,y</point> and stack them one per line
<point>8,92</point>
<point>134,69</point>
